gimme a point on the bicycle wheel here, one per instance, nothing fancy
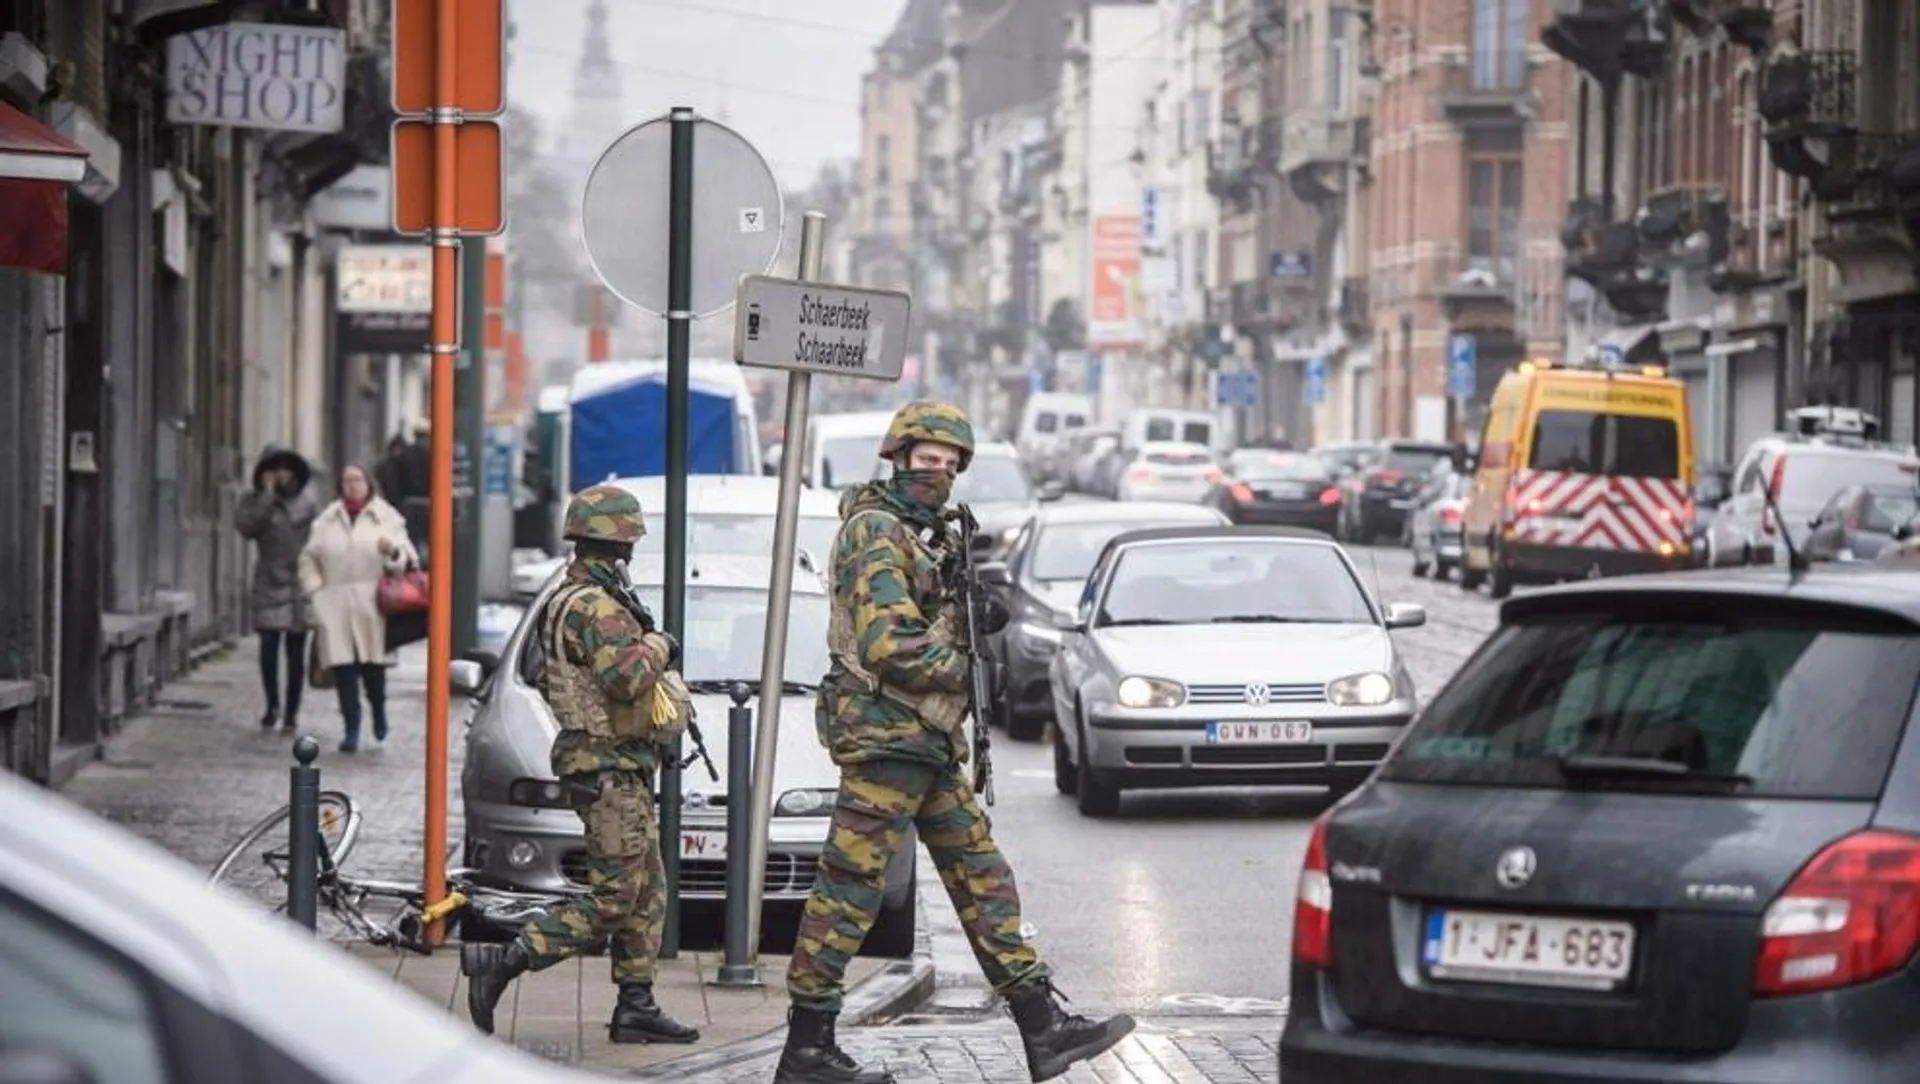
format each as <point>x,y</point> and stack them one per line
<point>258,864</point>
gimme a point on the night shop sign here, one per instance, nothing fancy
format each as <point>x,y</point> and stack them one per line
<point>258,75</point>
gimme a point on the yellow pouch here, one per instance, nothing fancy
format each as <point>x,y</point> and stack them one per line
<point>672,705</point>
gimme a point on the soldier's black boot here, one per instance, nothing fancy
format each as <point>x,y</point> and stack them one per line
<point>490,969</point>
<point>812,1056</point>
<point>1056,1039</point>
<point>638,1018</point>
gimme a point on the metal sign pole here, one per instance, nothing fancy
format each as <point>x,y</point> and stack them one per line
<point>673,603</point>
<point>773,654</point>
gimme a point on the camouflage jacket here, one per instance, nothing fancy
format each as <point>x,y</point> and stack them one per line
<point>897,685</point>
<point>597,674</point>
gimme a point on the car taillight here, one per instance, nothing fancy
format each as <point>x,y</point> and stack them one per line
<point>1849,916</point>
<point>1449,515</point>
<point>1330,496</point>
<point>1241,493</point>
<point>1313,905</point>
<point>1773,489</point>
<point>1215,475</point>
<point>1143,474</point>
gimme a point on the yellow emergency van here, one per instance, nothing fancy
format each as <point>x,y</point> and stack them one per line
<point>1582,471</point>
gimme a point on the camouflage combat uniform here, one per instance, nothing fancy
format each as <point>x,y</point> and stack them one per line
<point>599,671</point>
<point>891,713</point>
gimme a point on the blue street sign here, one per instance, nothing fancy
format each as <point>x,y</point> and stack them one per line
<point>1462,358</point>
<point>1612,356</point>
<point>1236,389</point>
<point>1316,381</point>
<point>1095,366</point>
<point>1290,265</point>
<point>1150,216</point>
<point>1036,382</point>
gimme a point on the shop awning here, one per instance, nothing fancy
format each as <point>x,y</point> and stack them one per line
<point>31,151</point>
<point>36,166</point>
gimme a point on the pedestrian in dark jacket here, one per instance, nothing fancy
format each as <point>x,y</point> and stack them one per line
<point>277,517</point>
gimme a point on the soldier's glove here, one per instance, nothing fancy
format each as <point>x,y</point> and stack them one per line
<point>665,644</point>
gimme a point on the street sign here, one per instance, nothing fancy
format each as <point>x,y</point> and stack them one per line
<point>1462,358</point>
<point>1150,217</point>
<point>1316,390</point>
<point>480,41</point>
<point>831,330</point>
<point>384,278</point>
<point>479,171</point>
<point>1612,356</point>
<point>738,216</point>
<point>1296,264</point>
<point>1236,389</point>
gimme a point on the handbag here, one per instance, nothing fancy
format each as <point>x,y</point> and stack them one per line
<point>317,676</point>
<point>403,593</point>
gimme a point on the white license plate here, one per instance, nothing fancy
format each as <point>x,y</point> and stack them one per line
<point>704,846</point>
<point>1400,505</point>
<point>1260,732</point>
<point>1528,950</point>
<point>1178,475</point>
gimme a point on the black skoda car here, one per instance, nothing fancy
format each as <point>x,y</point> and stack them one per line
<point>1657,829</point>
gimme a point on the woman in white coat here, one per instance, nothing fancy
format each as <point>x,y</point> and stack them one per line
<point>355,541</point>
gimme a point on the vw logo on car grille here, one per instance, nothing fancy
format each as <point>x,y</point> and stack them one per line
<point>1258,693</point>
<point>1515,868</point>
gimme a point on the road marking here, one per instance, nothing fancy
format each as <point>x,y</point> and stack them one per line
<point>1032,773</point>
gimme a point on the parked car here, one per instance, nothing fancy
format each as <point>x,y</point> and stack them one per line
<point>1713,484</point>
<point>1860,521</point>
<point>1225,656</point>
<point>1344,458</point>
<point>1169,471</point>
<point>727,515</point>
<point>1824,450</point>
<point>1378,493</point>
<point>1433,532</point>
<point>119,964</point>
<point>1091,448</point>
<point>1002,495</point>
<point>1047,567</point>
<point>1286,488</point>
<point>520,832</point>
<point>1655,828</point>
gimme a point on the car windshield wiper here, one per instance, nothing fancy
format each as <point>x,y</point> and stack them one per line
<point>724,686</point>
<point>1589,766</point>
<point>1118,622</point>
<point>1265,619</point>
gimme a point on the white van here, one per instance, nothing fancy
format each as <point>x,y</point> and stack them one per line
<point>1047,418</point>
<point>1154,425</point>
<point>842,449</point>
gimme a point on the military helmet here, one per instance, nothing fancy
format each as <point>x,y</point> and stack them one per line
<point>939,423</point>
<point>605,513</point>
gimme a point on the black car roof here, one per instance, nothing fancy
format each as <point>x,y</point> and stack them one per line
<point>1869,589</point>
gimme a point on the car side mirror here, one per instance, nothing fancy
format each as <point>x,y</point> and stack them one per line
<point>39,1066</point>
<point>993,574</point>
<point>983,543</point>
<point>805,560</point>
<point>1068,623</point>
<point>465,676</point>
<point>486,660</point>
<point>1052,490</point>
<point>994,616</point>
<point>1815,521</point>
<point>1406,615</point>
<point>1903,532</point>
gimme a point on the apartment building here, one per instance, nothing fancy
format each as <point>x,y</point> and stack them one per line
<point>1736,212</point>
<point>1469,165</point>
<point>882,229</point>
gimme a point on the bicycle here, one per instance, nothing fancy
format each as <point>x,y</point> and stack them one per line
<point>345,897</point>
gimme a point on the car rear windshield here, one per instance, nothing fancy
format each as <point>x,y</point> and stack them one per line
<point>1804,705</point>
<point>1413,460</point>
<point>1178,457</point>
<point>1811,478</point>
<point>1277,466</point>
<point>1622,444</point>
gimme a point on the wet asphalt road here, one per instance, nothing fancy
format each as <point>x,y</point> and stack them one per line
<point>1183,904</point>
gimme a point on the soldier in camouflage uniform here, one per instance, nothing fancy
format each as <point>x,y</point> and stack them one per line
<point>599,669</point>
<point>891,713</point>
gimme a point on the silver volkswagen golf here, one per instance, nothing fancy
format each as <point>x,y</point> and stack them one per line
<point>1225,656</point>
<point>519,830</point>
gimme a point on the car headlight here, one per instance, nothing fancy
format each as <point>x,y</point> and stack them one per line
<point>1144,692</point>
<point>1040,631</point>
<point>1368,690</point>
<point>806,802</point>
<point>538,794</point>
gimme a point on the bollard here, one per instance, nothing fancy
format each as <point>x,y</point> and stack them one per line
<point>303,835</point>
<point>737,968</point>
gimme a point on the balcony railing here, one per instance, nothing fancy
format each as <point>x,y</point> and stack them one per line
<point>1318,146</point>
<point>1748,23</point>
<point>1809,93</point>
<point>1486,89</point>
<point>1672,215</point>
<point>1249,304</point>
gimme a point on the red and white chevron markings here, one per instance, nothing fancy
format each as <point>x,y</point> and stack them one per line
<point>1565,508</point>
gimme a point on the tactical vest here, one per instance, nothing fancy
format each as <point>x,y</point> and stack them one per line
<point>571,691</point>
<point>945,712</point>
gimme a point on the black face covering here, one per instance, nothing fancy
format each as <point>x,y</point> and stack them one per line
<point>929,489</point>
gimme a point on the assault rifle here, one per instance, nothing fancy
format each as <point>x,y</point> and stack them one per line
<point>961,578</point>
<point>628,597</point>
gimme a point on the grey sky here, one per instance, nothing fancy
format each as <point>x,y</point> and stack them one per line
<point>786,72</point>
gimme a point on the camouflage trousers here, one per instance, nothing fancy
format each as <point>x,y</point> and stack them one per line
<point>878,801</point>
<point>626,900</point>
